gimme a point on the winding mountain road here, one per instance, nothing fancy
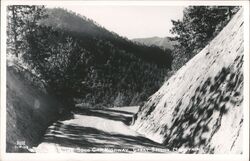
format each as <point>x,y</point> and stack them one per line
<point>97,131</point>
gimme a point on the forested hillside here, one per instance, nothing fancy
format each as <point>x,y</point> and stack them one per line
<point>82,62</point>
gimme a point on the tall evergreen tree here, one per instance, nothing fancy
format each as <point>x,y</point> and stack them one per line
<point>22,19</point>
<point>199,25</point>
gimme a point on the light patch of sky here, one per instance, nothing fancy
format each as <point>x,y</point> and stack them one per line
<point>132,21</point>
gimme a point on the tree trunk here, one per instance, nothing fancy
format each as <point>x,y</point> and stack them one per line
<point>14,28</point>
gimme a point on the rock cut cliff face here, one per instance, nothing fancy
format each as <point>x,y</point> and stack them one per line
<point>200,108</point>
<point>30,110</point>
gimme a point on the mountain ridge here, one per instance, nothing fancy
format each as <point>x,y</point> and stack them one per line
<point>82,27</point>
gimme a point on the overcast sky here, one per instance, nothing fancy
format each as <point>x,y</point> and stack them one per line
<point>132,21</point>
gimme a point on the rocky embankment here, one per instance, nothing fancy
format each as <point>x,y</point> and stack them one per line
<point>30,110</point>
<point>200,108</point>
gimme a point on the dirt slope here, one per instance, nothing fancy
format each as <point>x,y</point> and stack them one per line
<point>29,110</point>
<point>199,109</point>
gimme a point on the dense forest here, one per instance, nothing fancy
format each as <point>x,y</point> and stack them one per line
<point>82,62</point>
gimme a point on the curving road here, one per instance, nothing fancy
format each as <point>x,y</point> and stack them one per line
<point>97,131</point>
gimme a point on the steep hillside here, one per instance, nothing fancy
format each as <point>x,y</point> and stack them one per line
<point>162,42</point>
<point>200,109</point>
<point>29,109</point>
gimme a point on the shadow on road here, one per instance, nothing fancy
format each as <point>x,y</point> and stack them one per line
<point>86,137</point>
<point>74,136</point>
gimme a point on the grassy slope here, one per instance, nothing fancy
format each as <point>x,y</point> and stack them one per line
<point>201,105</point>
<point>29,110</point>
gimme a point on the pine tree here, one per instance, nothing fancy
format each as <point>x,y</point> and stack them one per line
<point>21,19</point>
<point>199,25</point>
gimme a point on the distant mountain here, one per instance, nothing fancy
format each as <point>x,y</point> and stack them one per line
<point>163,42</point>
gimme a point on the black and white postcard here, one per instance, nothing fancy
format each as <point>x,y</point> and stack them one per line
<point>124,80</point>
